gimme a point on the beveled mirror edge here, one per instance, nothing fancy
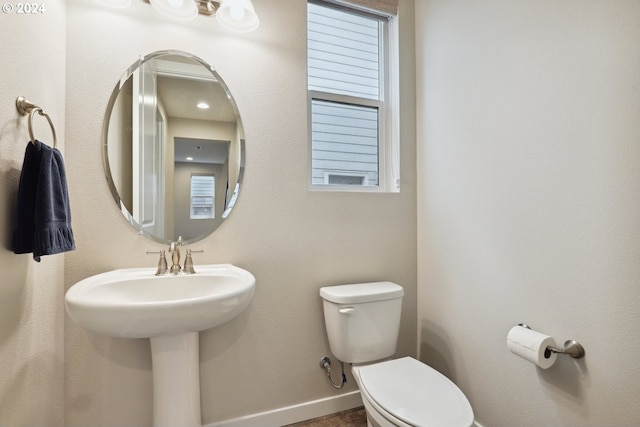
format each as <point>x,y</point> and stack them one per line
<point>105,134</point>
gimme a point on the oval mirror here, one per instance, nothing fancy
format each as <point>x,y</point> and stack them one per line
<point>173,147</point>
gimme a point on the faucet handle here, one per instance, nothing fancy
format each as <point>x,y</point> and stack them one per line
<point>162,262</point>
<point>188,261</point>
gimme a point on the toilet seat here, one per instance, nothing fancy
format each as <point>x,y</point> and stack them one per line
<point>415,393</point>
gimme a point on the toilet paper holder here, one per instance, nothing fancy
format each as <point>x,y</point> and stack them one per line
<point>571,347</point>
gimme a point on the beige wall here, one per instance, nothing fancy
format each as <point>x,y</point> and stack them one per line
<point>31,294</point>
<point>294,241</point>
<point>528,201</point>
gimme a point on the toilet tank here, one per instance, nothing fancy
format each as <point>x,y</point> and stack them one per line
<point>362,320</point>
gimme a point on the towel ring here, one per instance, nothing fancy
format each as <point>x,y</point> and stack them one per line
<point>25,107</point>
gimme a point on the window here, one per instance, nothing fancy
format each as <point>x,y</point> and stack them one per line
<point>352,105</point>
<point>203,196</point>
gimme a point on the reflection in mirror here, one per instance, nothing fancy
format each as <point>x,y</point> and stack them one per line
<point>173,147</point>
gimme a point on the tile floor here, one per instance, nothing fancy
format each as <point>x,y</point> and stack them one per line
<point>350,418</point>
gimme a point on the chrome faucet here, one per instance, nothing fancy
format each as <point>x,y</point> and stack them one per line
<point>174,250</point>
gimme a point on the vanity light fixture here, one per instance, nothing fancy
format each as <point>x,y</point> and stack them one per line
<point>235,15</point>
<point>238,15</point>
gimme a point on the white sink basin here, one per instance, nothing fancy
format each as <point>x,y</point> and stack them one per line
<point>170,311</point>
<point>133,303</point>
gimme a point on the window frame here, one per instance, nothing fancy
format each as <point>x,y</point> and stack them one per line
<point>387,105</point>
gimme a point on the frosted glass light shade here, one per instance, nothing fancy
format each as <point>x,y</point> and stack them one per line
<point>114,3</point>
<point>237,15</point>
<point>183,10</point>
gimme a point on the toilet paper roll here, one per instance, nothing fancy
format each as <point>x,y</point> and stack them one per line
<point>531,345</point>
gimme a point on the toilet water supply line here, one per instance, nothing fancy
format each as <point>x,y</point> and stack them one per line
<point>325,363</point>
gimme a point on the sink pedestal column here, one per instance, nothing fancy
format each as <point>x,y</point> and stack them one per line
<point>176,380</point>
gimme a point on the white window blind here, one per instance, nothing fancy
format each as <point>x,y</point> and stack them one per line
<point>202,196</point>
<point>386,7</point>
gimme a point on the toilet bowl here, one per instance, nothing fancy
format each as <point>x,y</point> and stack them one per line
<point>407,393</point>
<point>363,322</point>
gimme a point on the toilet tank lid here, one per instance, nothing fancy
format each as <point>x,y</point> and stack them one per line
<point>361,292</point>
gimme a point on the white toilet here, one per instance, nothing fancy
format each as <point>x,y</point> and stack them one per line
<point>363,321</point>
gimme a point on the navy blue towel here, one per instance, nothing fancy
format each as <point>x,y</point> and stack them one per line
<point>44,216</point>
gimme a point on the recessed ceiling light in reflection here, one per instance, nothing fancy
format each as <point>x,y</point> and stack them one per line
<point>202,105</point>
<point>189,158</point>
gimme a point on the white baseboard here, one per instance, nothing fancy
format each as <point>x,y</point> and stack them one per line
<point>296,413</point>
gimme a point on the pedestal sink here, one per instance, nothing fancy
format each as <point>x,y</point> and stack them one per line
<point>170,310</point>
